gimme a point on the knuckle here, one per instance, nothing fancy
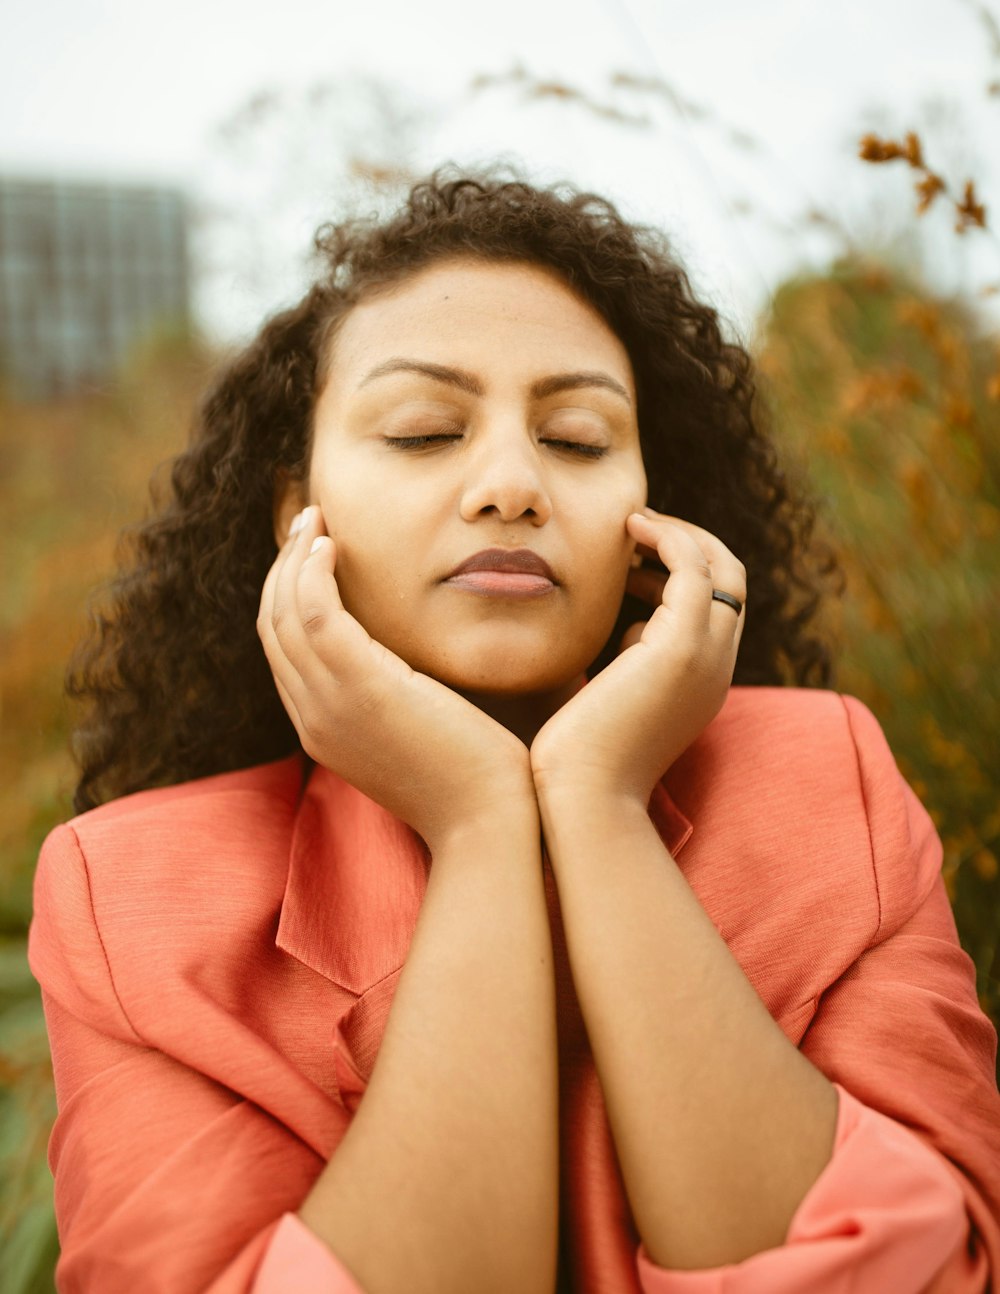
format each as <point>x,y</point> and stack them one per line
<point>314,620</point>
<point>366,700</point>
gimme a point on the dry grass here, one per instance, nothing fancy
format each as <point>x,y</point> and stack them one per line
<point>881,393</point>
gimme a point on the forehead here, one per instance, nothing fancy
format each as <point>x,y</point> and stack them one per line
<point>487,316</point>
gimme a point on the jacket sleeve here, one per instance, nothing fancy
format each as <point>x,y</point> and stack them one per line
<point>165,1180</point>
<point>910,1199</point>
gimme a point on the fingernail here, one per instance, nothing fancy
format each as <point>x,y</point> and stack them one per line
<point>298,521</point>
<point>315,544</point>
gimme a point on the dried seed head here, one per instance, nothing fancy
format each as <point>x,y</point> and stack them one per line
<point>927,190</point>
<point>914,154</point>
<point>970,212</point>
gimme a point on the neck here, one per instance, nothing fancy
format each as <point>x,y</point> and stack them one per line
<point>524,715</point>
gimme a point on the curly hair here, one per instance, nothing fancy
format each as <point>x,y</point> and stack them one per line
<point>173,676</point>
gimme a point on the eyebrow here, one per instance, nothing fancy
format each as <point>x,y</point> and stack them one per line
<point>467,382</point>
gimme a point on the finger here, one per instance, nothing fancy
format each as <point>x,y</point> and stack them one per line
<point>647,552</point>
<point>265,616</point>
<point>291,708</point>
<point>728,575</point>
<point>631,636</point>
<point>317,597</point>
<point>687,594</point>
<point>725,572</point>
<point>267,591</point>
<point>646,583</point>
<point>296,668</point>
<point>285,615</point>
<point>335,638</point>
<point>728,571</point>
<point>733,622</point>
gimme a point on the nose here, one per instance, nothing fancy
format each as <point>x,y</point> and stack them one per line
<point>506,479</point>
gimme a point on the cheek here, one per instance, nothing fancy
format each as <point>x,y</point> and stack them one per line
<point>609,504</point>
<point>606,549</point>
<point>602,575</point>
<point>605,535</point>
<point>364,569</point>
<point>369,578</point>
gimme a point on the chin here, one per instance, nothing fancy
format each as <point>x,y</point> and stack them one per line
<point>507,678</point>
<point>504,664</point>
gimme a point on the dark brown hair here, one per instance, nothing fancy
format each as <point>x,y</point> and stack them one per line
<point>173,675</point>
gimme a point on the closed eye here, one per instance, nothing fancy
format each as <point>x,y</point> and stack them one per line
<point>577,447</point>
<point>442,438</point>
<point>422,442</point>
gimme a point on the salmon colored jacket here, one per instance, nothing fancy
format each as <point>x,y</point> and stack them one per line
<point>218,960</point>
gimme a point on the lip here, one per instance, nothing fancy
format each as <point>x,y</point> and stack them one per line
<point>510,561</point>
<point>503,573</point>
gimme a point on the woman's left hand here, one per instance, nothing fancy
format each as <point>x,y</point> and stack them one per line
<point>618,735</point>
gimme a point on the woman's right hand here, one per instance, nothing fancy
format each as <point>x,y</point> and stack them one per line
<point>405,740</point>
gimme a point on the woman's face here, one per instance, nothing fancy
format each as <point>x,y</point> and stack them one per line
<point>476,407</point>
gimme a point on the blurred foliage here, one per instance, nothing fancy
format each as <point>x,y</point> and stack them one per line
<point>889,399</point>
<point>72,473</point>
<point>877,389</point>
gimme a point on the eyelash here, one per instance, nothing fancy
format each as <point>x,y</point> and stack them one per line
<point>425,442</point>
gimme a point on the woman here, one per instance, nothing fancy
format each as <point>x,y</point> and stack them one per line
<point>649,983</point>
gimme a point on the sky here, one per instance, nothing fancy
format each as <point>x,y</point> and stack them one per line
<point>769,101</point>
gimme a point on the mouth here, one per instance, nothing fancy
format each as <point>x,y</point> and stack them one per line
<point>502,572</point>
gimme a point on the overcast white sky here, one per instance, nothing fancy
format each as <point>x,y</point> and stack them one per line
<point>132,89</point>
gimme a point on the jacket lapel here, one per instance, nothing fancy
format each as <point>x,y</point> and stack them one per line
<point>356,880</point>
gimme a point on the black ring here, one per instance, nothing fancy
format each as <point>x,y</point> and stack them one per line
<point>730,601</point>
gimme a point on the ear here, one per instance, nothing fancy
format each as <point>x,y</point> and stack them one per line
<point>290,497</point>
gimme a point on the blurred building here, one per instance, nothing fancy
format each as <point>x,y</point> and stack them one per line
<point>86,272</point>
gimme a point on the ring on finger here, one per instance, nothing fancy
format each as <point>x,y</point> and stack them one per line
<point>719,596</point>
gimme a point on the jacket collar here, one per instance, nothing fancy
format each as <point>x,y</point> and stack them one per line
<point>357,877</point>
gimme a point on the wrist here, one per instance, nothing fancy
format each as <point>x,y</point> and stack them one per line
<point>600,777</point>
<point>505,810</point>
<point>586,797</point>
<point>577,816</point>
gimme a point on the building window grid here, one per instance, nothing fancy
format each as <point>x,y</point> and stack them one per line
<point>83,273</point>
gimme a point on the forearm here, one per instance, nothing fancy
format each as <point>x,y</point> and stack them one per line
<point>447,1179</point>
<point>720,1124</point>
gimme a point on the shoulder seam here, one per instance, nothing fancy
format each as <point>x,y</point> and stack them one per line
<point>203,791</point>
<point>864,802</point>
<point>100,937</point>
<point>154,806</point>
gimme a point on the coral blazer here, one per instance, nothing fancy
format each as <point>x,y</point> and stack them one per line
<point>218,960</point>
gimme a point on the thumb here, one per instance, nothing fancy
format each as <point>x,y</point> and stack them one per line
<point>631,635</point>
